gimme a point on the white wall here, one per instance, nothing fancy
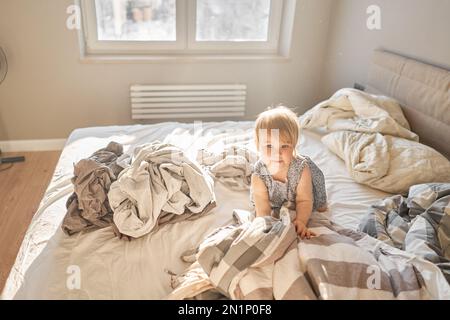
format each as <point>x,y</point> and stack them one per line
<point>48,92</point>
<point>419,29</point>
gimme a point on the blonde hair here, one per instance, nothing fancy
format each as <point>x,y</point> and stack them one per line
<point>281,118</point>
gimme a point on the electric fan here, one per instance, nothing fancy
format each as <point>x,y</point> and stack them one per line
<point>3,72</point>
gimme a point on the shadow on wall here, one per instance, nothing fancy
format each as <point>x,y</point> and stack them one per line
<point>3,135</point>
<point>3,73</point>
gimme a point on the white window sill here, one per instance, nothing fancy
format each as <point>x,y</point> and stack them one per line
<point>103,58</point>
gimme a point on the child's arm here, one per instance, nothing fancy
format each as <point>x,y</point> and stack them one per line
<point>260,197</point>
<point>304,203</point>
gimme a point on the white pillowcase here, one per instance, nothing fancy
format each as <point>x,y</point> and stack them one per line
<point>388,163</point>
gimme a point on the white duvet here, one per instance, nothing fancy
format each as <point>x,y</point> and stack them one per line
<point>97,265</point>
<point>371,134</point>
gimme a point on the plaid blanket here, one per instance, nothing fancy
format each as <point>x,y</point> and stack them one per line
<point>419,223</point>
<point>262,258</point>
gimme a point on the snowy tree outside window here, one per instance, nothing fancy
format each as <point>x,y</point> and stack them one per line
<point>233,20</point>
<point>155,20</point>
<point>136,20</point>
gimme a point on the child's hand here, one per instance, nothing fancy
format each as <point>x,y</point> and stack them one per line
<point>302,230</point>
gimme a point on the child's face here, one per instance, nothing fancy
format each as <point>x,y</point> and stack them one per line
<point>277,151</point>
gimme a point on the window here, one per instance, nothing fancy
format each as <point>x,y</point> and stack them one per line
<point>185,27</point>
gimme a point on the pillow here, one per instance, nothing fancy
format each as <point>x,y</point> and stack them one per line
<point>388,163</point>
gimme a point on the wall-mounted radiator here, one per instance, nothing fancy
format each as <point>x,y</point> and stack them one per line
<point>187,101</point>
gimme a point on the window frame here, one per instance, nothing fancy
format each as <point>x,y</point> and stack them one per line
<point>281,22</point>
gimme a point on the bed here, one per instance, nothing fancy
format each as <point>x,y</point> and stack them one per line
<point>111,268</point>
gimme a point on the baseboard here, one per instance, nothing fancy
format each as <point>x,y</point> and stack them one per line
<point>32,145</point>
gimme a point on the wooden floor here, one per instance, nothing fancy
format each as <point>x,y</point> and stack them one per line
<point>21,190</point>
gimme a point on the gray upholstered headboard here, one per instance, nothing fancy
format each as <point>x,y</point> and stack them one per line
<point>423,91</point>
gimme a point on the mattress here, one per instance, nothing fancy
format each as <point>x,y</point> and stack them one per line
<point>109,268</point>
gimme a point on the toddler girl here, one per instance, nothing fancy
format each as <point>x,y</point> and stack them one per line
<point>281,175</point>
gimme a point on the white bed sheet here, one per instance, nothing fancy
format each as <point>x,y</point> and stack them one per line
<point>110,268</point>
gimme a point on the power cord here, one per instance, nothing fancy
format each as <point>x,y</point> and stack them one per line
<point>10,165</point>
